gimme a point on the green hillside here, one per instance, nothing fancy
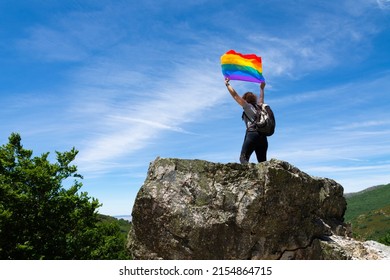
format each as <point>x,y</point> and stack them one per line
<point>124,225</point>
<point>369,213</point>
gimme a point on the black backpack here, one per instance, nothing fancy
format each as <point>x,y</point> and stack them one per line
<point>264,121</point>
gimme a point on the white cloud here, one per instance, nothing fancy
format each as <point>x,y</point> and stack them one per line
<point>384,4</point>
<point>129,124</point>
<point>364,124</point>
<point>51,45</point>
<point>320,40</point>
<point>152,123</point>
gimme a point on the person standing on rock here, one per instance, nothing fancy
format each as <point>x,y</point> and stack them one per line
<point>253,141</point>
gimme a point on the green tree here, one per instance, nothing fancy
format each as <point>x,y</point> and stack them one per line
<point>39,218</point>
<point>111,242</point>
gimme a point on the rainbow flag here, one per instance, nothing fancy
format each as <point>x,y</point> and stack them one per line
<point>243,67</point>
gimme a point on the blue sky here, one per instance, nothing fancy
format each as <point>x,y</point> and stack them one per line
<point>126,81</point>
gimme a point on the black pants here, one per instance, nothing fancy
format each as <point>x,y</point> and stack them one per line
<point>254,142</point>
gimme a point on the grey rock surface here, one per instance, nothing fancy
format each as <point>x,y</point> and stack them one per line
<point>194,209</point>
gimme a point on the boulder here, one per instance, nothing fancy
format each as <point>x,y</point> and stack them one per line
<point>195,209</point>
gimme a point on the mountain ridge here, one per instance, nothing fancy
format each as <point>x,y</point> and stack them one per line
<point>351,194</point>
<point>368,212</point>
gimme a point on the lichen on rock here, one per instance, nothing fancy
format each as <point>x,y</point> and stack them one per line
<point>195,209</point>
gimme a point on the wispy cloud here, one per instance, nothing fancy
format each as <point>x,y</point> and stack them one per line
<point>384,4</point>
<point>317,41</point>
<point>343,169</point>
<point>128,124</point>
<point>50,45</point>
<point>152,123</point>
<point>74,37</point>
<point>364,124</point>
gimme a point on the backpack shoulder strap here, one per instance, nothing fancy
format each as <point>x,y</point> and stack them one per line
<point>244,114</point>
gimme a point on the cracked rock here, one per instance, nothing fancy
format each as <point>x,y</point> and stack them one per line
<point>194,209</point>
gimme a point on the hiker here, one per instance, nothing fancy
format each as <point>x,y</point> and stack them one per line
<point>253,141</point>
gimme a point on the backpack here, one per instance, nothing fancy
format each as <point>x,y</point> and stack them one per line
<point>264,121</point>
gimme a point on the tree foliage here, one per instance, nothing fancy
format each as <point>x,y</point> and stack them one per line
<point>41,219</point>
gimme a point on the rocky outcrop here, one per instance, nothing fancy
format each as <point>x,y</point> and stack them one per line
<point>193,209</point>
<point>346,248</point>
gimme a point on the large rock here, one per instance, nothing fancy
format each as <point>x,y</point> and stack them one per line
<point>193,209</point>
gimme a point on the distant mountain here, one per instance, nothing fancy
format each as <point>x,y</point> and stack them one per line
<point>123,222</point>
<point>124,217</point>
<point>347,195</point>
<point>369,212</point>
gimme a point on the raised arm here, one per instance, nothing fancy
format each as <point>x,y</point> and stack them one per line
<point>261,99</point>
<point>234,94</point>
